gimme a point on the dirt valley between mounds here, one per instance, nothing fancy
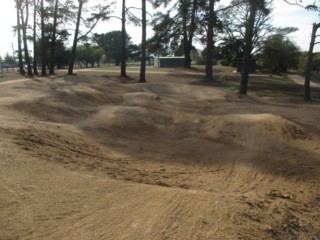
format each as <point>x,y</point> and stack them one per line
<point>93,156</point>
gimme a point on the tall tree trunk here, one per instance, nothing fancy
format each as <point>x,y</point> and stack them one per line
<point>35,68</point>
<point>186,49</point>
<point>188,30</point>
<point>123,40</point>
<point>187,53</point>
<point>53,40</point>
<point>21,69</point>
<point>43,42</point>
<point>24,23</point>
<point>75,40</point>
<point>143,43</point>
<point>307,95</point>
<point>209,62</point>
<point>248,47</point>
<point>193,28</point>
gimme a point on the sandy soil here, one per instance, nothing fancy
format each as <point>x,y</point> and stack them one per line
<point>89,157</point>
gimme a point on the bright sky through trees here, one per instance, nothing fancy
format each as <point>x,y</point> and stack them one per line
<point>284,15</point>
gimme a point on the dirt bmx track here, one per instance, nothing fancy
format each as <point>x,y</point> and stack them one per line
<point>92,157</point>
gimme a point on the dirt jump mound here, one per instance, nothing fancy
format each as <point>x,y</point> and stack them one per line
<point>93,158</point>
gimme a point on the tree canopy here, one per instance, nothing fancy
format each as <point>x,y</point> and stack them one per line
<point>111,44</point>
<point>279,54</point>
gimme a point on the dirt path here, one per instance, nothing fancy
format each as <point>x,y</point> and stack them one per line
<point>300,80</point>
<point>135,70</point>
<point>91,158</point>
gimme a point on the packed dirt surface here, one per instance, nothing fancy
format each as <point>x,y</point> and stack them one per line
<point>92,157</point>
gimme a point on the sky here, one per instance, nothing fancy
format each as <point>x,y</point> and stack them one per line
<point>284,15</point>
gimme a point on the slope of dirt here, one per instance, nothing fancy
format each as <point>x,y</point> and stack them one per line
<point>87,157</point>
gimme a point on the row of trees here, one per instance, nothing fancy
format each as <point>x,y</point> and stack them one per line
<point>48,31</point>
<point>50,21</point>
<point>241,29</point>
<point>52,18</point>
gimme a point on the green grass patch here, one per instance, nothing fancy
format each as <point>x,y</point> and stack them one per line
<point>233,88</point>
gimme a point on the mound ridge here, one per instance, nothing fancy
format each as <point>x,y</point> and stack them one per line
<point>249,129</point>
<point>98,158</point>
<point>172,131</point>
<point>285,129</point>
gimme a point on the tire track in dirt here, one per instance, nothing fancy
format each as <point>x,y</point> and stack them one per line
<point>99,177</point>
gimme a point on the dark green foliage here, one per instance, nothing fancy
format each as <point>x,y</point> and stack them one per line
<point>164,40</point>
<point>89,55</point>
<point>9,60</point>
<point>216,55</point>
<point>111,44</point>
<point>303,58</point>
<point>176,29</point>
<point>230,50</point>
<point>234,20</point>
<point>279,54</point>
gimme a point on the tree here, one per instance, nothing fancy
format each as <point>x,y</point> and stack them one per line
<point>9,60</point>
<point>52,15</point>
<point>75,39</point>
<point>133,51</point>
<point>190,16</point>
<point>162,42</point>
<point>143,43</point>
<point>310,6</point>
<point>123,40</point>
<point>255,6</point>
<point>98,13</point>
<point>315,28</point>
<point>24,17</point>
<point>35,50</point>
<point>279,53</point>
<point>176,29</point>
<point>53,39</point>
<point>233,19</point>
<point>88,54</point>
<point>211,23</point>
<point>230,50</point>
<point>307,95</point>
<point>111,44</point>
<point>18,29</point>
<point>62,55</point>
<point>43,41</point>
